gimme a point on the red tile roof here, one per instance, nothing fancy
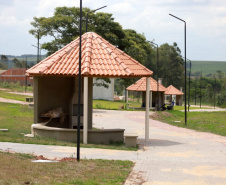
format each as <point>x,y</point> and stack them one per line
<point>140,85</point>
<point>171,90</point>
<point>99,58</point>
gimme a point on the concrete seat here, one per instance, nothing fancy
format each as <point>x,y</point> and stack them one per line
<point>29,99</point>
<point>131,139</point>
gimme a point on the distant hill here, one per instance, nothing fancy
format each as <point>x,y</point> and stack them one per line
<point>208,67</point>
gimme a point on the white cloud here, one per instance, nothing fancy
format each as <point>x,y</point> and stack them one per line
<point>122,8</point>
<point>206,22</point>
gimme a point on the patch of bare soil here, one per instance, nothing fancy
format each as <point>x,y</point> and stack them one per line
<point>40,157</point>
<point>135,177</point>
<point>160,116</point>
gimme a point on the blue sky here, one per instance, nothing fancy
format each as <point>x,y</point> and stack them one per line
<point>206,23</point>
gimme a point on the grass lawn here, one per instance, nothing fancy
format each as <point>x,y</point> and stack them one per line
<point>18,169</point>
<point>182,107</point>
<point>113,105</point>
<point>7,95</point>
<point>213,122</point>
<point>19,118</point>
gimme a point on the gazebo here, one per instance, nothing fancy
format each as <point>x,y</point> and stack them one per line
<point>56,87</point>
<point>173,91</point>
<point>140,85</point>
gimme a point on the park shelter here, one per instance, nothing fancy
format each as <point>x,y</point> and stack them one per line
<point>56,80</point>
<point>173,91</point>
<point>140,85</point>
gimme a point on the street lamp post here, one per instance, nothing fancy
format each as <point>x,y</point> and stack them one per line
<point>91,12</point>
<point>201,90</point>
<point>79,83</point>
<point>189,85</point>
<point>26,76</point>
<point>39,52</point>
<point>185,108</point>
<point>215,85</point>
<point>157,73</point>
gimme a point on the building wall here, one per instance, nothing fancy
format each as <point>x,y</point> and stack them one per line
<point>100,92</point>
<point>54,92</point>
<point>15,75</point>
<point>51,93</point>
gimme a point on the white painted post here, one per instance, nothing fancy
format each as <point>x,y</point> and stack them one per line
<point>35,92</point>
<point>85,111</point>
<point>150,99</point>
<point>147,109</point>
<point>127,97</point>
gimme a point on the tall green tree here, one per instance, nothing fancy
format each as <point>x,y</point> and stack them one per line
<point>63,27</point>
<point>4,62</point>
<point>171,65</point>
<point>19,64</point>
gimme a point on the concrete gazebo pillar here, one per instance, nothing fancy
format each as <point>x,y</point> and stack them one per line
<point>147,109</point>
<point>85,111</point>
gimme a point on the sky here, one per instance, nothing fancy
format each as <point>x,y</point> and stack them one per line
<point>205,23</point>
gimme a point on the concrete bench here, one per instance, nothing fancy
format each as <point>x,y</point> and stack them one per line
<point>29,99</point>
<point>131,140</point>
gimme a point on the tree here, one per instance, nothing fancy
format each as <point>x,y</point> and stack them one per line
<point>4,62</point>
<point>209,92</point>
<point>171,67</point>
<point>19,64</point>
<point>63,26</point>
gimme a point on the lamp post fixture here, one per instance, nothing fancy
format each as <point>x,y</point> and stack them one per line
<point>157,73</point>
<point>185,107</point>
<point>91,12</point>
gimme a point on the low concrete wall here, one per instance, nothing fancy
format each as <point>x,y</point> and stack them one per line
<point>105,136</point>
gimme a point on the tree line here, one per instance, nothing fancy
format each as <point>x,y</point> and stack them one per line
<point>211,89</point>
<point>16,63</point>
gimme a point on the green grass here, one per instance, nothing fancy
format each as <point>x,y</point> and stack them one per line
<point>7,95</point>
<point>182,107</point>
<point>113,105</point>
<point>213,122</point>
<point>19,118</point>
<point>15,87</point>
<point>208,67</point>
<point>18,169</point>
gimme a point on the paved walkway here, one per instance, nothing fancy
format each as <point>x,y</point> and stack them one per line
<point>14,101</point>
<point>173,156</point>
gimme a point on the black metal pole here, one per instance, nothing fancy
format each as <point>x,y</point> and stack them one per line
<point>26,76</point>
<point>215,93</point>
<point>79,83</point>
<point>189,85</point>
<point>91,12</point>
<point>185,76</point>
<point>38,49</point>
<point>195,92</point>
<point>201,90</point>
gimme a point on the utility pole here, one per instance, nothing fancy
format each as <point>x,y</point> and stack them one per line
<point>195,92</point>
<point>201,90</point>
<point>79,83</point>
<point>38,50</point>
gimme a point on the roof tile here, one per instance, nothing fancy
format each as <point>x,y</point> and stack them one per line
<point>140,85</point>
<point>171,90</point>
<point>99,58</point>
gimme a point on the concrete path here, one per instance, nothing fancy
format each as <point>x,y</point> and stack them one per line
<point>173,156</point>
<point>4,100</point>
